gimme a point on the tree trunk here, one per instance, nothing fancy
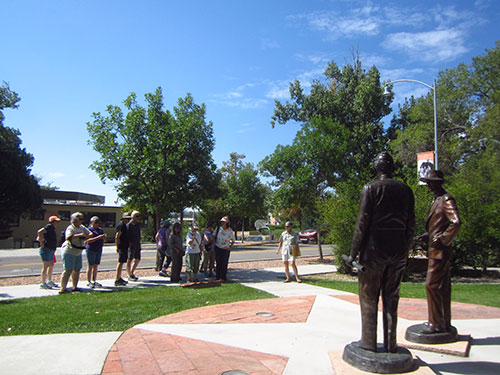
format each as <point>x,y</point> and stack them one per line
<point>182,219</point>
<point>318,238</point>
<point>243,231</point>
<point>157,218</point>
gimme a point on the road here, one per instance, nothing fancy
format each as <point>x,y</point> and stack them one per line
<point>27,262</point>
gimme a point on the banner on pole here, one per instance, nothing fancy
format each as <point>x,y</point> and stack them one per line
<point>425,163</point>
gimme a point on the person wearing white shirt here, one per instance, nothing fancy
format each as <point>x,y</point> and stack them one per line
<point>224,240</point>
<point>193,253</point>
<point>288,246</point>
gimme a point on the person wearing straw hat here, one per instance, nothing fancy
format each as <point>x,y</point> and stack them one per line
<point>48,243</point>
<point>443,224</point>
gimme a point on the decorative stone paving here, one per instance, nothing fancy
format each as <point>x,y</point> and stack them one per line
<point>416,309</point>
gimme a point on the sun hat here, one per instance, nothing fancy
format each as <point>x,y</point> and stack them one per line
<point>126,215</point>
<point>54,218</point>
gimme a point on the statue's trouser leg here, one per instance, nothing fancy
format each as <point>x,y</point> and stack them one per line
<point>438,288</point>
<point>390,298</point>
<point>369,290</point>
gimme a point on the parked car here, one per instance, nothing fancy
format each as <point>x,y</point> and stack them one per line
<point>308,235</point>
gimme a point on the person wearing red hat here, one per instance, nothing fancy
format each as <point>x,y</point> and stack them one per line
<point>48,243</point>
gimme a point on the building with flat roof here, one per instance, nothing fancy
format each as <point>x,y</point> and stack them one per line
<point>62,204</point>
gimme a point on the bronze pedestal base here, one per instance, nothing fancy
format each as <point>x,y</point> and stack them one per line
<point>415,334</point>
<point>378,362</point>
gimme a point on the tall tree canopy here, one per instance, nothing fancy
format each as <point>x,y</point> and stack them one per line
<point>160,160</point>
<point>469,151</point>
<point>19,189</point>
<point>242,194</point>
<point>340,135</point>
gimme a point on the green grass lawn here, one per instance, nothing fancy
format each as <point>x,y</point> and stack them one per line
<point>111,311</point>
<point>479,294</point>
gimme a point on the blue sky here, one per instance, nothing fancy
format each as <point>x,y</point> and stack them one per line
<point>68,59</point>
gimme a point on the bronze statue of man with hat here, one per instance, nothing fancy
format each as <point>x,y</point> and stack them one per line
<point>443,224</point>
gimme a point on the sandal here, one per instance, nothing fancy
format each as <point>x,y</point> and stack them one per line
<point>76,290</point>
<point>64,291</point>
<point>287,281</point>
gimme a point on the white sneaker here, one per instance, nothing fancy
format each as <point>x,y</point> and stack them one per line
<point>91,285</point>
<point>52,284</point>
<point>45,286</point>
<point>97,285</point>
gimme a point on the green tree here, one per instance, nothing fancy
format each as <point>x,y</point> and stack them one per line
<point>160,160</point>
<point>340,135</point>
<point>469,152</point>
<point>243,194</point>
<point>19,189</point>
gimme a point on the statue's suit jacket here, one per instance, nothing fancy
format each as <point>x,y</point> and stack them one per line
<point>443,224</point>
<point>386,221</point>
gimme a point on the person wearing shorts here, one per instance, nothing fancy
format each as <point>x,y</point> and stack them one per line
<point>94,251</point>
<point>193,253</point>
<point>47,237</point>
<point>122,243</point>
<point>289,241</point>
<point>134,249</point>
<point>76,235</point>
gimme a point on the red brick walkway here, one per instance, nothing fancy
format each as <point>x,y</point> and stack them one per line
<point>144,352</point>
<point>416,309</point>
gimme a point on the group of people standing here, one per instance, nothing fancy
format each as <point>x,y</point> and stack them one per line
<point>76,238</point>
<point>203,252</point>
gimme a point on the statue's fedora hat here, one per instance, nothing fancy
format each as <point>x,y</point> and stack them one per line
<point>433,175</point>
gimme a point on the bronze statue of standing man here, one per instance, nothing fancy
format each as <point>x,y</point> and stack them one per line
<point>443,224</point>
<point>384,231</point>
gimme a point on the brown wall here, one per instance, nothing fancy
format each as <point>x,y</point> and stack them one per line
<point>26,232</point>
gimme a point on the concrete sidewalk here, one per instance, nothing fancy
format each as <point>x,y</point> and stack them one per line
<point>301,332</point>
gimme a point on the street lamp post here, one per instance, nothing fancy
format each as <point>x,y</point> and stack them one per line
<point>387,92</point>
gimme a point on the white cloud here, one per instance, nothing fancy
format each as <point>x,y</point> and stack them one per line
<point>267,43</point>
<point>244,103</point>
<point>437,45</point>
<point>233,94</point>
<point>393,74</point>
<point>245,128</point>
<point>56,174</point>
<point>336,26</point>
<point>482,4</point>
<point>316,59</point>
<point>237,98</point>
<point>279,91</point>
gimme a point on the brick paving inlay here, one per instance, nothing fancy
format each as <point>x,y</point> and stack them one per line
<point>416,309</point>
<point>139,351</point>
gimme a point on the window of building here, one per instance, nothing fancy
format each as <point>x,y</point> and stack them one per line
<point>64,215</point>
<point>38,215</point>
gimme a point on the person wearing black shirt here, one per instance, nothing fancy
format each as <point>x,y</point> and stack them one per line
<point>122,244</point>
<point>48,243</point>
